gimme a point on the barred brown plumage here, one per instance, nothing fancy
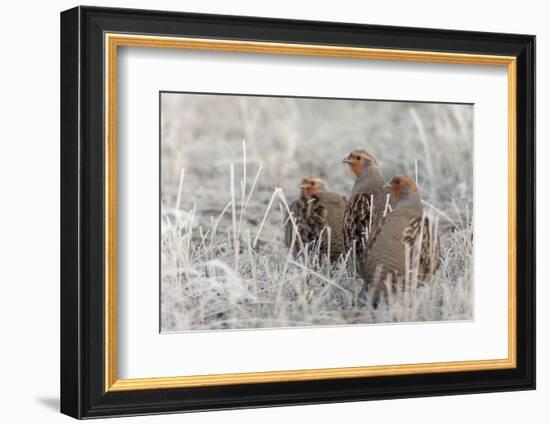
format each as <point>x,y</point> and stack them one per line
<point>300,229</point>
<point>406,248</point>
<point>424,230</point>
<point>318,216</point>
<point>327,212</point>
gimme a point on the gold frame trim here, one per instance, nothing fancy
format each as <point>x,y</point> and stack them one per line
<point>113,41</point>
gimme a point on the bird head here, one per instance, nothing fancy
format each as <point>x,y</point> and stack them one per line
<point>402,187</point>
<point>309,187</point>
<point>358,160</point>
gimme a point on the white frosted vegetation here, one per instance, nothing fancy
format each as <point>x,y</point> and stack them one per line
<point>224,263</point>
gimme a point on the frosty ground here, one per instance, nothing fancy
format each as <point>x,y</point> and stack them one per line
<point>223,261</point>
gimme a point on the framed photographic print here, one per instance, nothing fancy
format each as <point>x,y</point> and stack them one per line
<point>261,212</point>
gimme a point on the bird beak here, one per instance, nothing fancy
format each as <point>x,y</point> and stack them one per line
<point>346,160</point>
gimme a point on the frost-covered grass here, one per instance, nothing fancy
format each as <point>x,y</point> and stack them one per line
<point>224,263</point>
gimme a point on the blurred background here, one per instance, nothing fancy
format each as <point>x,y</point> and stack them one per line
<point>293,138</point>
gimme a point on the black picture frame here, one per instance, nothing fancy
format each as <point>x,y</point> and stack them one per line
<point>83,392</point>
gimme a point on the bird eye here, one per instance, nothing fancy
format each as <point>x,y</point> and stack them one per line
<point>358,158</point>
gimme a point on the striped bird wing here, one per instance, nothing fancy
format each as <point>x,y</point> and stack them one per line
<point>422,236</point>
<point>298,209</point>
<point>357,222</point>
<point>326,211</point>
<point>317,217</point>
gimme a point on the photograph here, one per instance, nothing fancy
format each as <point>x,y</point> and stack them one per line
<point>280,212</point>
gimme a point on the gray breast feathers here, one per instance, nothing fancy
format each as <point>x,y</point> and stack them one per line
<point>406,248</point>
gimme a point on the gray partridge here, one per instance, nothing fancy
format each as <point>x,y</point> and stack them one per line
<point>318,215</point>
<point>369,201</point>
<point>405,247</point>
<point>299,210</point>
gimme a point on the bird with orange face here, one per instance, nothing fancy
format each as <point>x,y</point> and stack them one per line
<point>318,215</point>
<point>369,201</point>
<point>405,248</point>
